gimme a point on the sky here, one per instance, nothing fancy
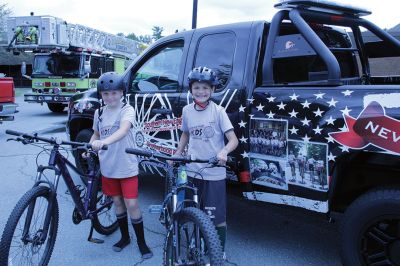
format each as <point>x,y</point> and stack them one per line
<point>140,16</point>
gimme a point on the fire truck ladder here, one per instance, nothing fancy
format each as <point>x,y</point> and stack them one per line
<point>46,33</point>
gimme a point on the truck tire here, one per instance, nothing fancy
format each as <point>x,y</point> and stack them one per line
<point>371,229</point>
<point>56,107</point>
<point>83,136</point>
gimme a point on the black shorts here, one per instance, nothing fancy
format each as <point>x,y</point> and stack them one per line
<point>212,198</point>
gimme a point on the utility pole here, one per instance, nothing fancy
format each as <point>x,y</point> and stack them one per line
<point>194,16</point>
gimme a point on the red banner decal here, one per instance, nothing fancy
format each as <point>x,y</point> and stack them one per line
<point>371,127</point>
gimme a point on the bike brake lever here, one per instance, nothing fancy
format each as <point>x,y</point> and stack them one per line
<point>214,161</point>
<point>16,139</point>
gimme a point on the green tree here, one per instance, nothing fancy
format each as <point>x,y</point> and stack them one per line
<point>157,32</point>
<point>132,36</point>
<point>318,152</point>
<point>121,34</point>
<point>145,39</point>
<point>4,13</point>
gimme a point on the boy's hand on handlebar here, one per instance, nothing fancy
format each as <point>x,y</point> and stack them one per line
<point>171,163</point>
<point>97,145</point>
<point>222,157</point>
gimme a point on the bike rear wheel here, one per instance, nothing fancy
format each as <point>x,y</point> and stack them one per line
<point>19,248</point>
<point>197,241</point>
<point>105,221</point>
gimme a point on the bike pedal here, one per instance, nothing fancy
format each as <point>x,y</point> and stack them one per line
<point>155,208</point>
<point>76,216</point>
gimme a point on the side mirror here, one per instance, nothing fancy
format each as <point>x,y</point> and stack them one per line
<point>87,67</point>
<point>23,68</point>
<point>23,71</point>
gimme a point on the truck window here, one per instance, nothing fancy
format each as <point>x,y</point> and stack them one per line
<point>216,51</point>
<point>161,70</point>
<point>97,66</point>
<point>109,64</point>
<point>382,58</point>
<point>57,64</point>
<point>303,66</point>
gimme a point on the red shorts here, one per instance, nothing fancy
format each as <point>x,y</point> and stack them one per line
<point>125,187</point>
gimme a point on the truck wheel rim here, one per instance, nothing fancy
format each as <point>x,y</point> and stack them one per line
<point>381,243</point>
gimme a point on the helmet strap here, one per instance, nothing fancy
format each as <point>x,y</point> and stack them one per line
<point>201,106</point>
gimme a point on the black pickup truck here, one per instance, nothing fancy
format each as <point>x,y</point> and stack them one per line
<point>317,130</point>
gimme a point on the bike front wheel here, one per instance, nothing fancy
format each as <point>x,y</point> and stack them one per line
<point>105,220</point>
<point>23,241</point>
<point>196,240</point>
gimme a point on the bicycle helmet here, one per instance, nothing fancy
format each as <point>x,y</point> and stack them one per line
<point>110,81</point>
<point>203,74</point>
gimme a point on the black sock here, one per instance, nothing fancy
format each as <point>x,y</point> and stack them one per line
<point>123,227</point>
<point>221,230</point>
<point>139,231</point>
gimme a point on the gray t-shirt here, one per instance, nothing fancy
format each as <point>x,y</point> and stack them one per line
<point>114,162</point>
<point>206,137</point>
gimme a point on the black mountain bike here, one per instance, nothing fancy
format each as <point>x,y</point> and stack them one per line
<point>31,230</point>
<point>191,236</point>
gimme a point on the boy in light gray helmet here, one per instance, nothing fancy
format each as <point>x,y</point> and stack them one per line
<point>112,127</point>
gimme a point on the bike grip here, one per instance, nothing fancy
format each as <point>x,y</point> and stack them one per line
<point>15,133</point>
<point>138,152</point>
<point>89,146</point>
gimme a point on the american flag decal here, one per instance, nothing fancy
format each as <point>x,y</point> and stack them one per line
<point>311,114</point>
<point>314,116</point>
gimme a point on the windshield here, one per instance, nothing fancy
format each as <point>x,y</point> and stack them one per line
<point>57,65</point>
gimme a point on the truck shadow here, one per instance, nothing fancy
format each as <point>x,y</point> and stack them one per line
<point>51,114</point>
<point>276,235</point>
<point>287,233</point>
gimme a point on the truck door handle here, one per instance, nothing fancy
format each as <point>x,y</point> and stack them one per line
<point>161,111</point>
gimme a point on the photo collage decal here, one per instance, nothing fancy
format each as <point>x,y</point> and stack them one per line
<point>268,152</point>
<point>277,162</point>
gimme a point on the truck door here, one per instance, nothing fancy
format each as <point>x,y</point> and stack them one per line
<point>154,90</point>
<point>221,48</point>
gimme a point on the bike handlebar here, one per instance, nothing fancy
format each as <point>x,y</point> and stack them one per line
<point>184,159</point>
<point>52,141</point>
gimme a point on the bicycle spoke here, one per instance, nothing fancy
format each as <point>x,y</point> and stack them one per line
<point>190,249</point>
<point>104,220</point>
<point>25,245</point>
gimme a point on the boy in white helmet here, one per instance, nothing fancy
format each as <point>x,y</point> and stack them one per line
<point>204,127</point>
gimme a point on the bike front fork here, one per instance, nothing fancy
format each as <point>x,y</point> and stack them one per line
<point>180,195</point>
<point>52,197</point>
